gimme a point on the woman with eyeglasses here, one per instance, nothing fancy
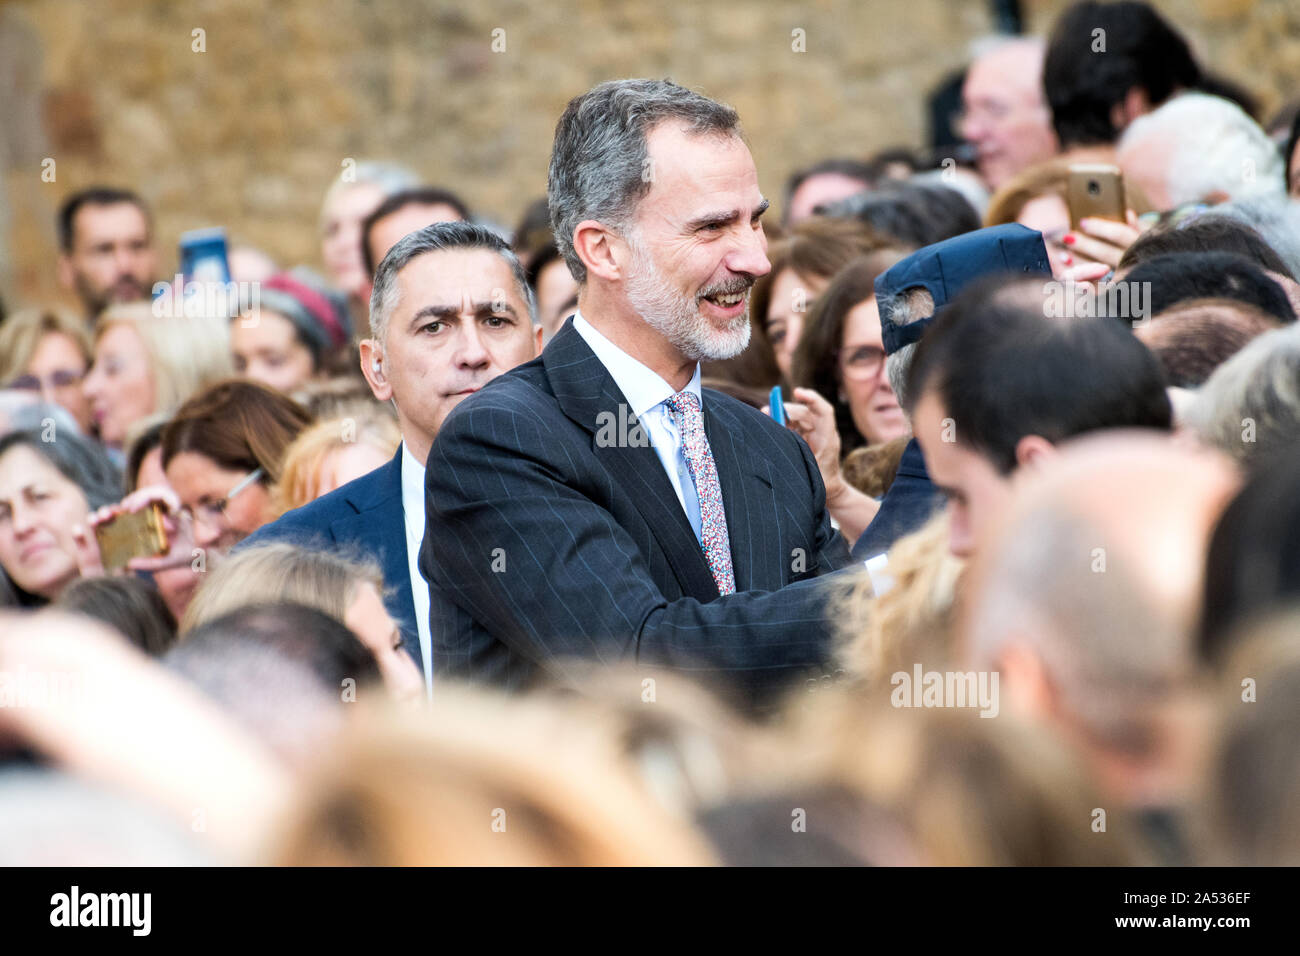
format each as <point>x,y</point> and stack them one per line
<point>222,452</point>
<point>843,399</point>
<point>47,352</point>
<point>803,262</point>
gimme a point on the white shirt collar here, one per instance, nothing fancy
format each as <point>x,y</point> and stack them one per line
<point>641,386</point>
<point>413,517</point>
<point>412,481</point>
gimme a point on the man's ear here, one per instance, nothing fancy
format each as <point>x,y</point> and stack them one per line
<point>1023,681</point>
<point>538,335</point>
<point>372,367</point>
<point>1135,103</point>
<point>1033,450</point>
<point>67,278</point>
<point>599,249</point>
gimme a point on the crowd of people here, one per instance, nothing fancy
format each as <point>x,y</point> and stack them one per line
<point>919,520</point>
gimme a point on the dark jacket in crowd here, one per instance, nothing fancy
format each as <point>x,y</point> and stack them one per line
<point>364,516</point>
<point>910,501</point>
<point>544,543</point>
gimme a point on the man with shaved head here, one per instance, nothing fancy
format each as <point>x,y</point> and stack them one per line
<point>1083,597</point>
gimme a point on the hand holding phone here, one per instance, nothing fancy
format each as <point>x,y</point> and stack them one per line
<point>1095,191</point>
<point>131,534</point>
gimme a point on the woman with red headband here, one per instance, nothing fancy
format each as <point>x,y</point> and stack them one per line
<point>289,331</point>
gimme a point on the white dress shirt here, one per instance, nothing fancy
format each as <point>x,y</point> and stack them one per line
<point>645,391</point>
<point>413,512</point>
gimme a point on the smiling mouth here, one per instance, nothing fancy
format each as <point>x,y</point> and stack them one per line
<point>32,550</point>
<point>728,300</point>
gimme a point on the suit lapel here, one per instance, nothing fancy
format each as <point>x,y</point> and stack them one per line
<point>744,488</point>
<point>380,528</point>
<point>586,393</point>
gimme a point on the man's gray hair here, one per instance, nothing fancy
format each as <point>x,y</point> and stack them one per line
<point>1275,218</point>
<point>440,237</point>
<point>599,163</point>
<point>1212,146</point>
<point>390,178</point>
<point>1250,407</point>
<point>910,305</point>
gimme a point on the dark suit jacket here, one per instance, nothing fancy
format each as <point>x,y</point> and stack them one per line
<point>908,504</point>
<point>365,514</point>
<point>543,543</point>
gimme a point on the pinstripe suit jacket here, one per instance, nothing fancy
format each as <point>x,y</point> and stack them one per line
<point>544,544</point>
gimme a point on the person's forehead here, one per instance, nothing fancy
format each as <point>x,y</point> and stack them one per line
<point>1007,73</point>
<point>417,216</point>
<point>862,324</point>
<point>119,336</point>
<point>196,471</point>
<point>22,466</point>
<point>828,183</point>
<point>55,345</point>
<point>694,169</point>
<point>447,275</point>
<point>269,325</point>
<point>94,219</point>
<point>357,200</point>
<point>1045,213</point>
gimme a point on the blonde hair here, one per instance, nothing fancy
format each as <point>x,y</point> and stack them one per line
<point>687,750</point>
<point>911,622</point>
<point>300,473</point>
<point>480,780</point>
<point>186,355</point>
<point>278,572</point>
<point>22,332</point>
<point>1048,178</point>
<point>969,791</point>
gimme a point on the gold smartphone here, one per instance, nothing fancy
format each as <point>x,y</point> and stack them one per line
<point>137,534</point>
<point>1095,190</point>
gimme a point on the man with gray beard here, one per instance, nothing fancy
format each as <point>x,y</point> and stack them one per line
<point>597,502</point>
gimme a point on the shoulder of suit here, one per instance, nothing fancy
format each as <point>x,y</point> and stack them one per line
<point>745,415</point>
<point>315,516</point>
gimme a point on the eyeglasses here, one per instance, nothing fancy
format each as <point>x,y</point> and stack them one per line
<point>861,362</point>
<point>59,378</point>
<point>213,513</point>
<point>992,111</point>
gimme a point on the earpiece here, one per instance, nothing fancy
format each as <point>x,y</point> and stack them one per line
<point>375,365</point>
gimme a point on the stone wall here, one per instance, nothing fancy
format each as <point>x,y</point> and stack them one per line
<point>248,131</point>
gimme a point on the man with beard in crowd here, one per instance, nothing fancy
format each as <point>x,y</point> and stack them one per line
<point>596,502</point>
<point>106,250</point>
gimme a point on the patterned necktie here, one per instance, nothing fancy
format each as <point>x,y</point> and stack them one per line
<point>688,417</point>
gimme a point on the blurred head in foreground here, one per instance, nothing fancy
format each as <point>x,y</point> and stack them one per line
<point>480,781</point>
